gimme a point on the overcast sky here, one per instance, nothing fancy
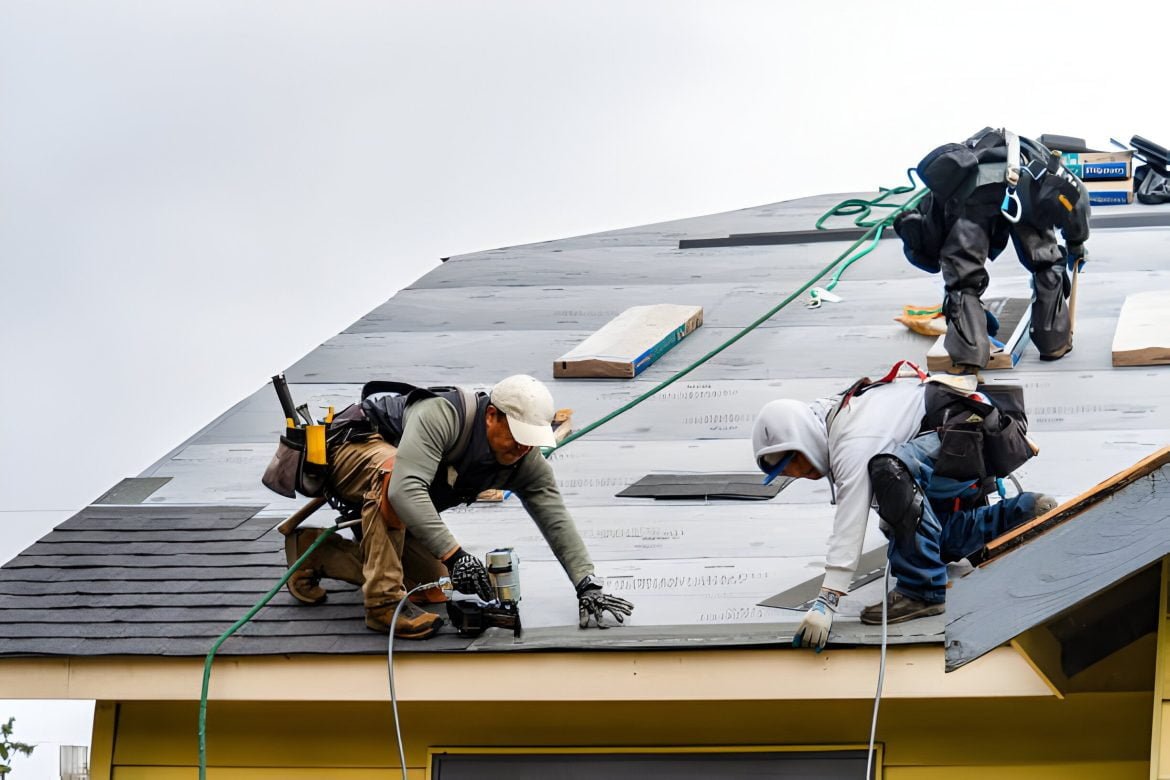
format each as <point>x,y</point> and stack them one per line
<point>195,194</point>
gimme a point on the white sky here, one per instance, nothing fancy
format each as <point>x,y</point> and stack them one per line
<point>195,194</point>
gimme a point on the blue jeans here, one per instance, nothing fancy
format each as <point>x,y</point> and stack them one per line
<point>946,534</point>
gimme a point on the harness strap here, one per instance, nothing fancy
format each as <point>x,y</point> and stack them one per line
<point>864,384</point>
<point>470,407</point>
<point>1012,175</point>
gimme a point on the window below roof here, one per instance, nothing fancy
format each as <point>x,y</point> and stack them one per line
<point>647,763</point>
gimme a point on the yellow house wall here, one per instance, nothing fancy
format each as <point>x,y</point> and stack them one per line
<point>1082,736</point>
<point>1160,736</point>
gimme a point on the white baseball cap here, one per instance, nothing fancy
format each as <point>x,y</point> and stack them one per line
<point>528,405</point>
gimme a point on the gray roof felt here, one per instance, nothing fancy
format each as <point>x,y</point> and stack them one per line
<point>163,564</point>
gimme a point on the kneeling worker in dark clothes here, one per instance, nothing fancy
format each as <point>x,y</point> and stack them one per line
<point>871,448</point>
<point>402,489</point>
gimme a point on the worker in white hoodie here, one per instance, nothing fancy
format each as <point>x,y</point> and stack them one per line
<point>869,445</point>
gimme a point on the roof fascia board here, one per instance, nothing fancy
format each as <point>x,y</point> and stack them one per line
<point>700,675</point>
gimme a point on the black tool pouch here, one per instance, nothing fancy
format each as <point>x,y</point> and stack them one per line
<point>1006,446</point>
<point>1006,449</point>
<point>960,453</point>
<point>949,170</point>
<point>921,231</point>
<point>1056,197</point>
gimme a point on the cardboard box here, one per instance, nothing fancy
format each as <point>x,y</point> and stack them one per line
<point>1088,166</point>
<point>1109,193</point>
<point>630,342</point>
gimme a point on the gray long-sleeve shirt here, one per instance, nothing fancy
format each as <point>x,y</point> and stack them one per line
<point>430,430</point>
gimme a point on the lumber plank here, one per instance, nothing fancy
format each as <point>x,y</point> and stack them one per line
<point>1142,337</point>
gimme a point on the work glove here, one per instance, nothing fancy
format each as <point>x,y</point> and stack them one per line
<point>468,575</point>
<point>814,629</point>
<point>1077,257</point>
<point>593,602</point>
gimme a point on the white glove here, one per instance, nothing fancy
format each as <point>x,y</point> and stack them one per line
<point>814,629</point>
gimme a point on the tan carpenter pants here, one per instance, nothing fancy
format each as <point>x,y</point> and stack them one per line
<point>392,559</point>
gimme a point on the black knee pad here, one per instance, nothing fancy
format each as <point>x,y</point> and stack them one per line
<point>899,499</point>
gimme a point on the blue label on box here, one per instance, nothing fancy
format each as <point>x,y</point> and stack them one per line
<point>1114,198</point>
<point>1105,170</point>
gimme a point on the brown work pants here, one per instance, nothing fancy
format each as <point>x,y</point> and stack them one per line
<point>392,558</point>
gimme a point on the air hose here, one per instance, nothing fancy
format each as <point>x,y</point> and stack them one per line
<point>873,233</point>
<point>863,208</point>
<point>325,534</point>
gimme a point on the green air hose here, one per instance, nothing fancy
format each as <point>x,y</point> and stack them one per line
<point>846,208</point>
<point>326,533</point>
<point>863,208</point>
<point>872,235</point>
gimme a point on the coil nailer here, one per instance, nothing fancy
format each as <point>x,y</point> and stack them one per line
<point>471,615</point>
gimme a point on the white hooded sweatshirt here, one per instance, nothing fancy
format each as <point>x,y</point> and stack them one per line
<point>883,418</point>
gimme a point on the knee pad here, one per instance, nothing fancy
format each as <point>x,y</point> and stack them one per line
<point>900,501</point>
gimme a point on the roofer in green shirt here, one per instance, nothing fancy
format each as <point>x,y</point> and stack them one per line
<point>413,455</point>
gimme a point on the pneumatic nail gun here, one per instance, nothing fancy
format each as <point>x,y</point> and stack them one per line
<point>471,615</point>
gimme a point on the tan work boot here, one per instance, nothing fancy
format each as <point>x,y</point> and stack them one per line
<point>413,623</point>
<point>336,558</point>
<point>435,595</point>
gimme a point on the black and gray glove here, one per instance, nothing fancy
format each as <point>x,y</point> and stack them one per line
<point>468,574</point>
<point>593,602</point>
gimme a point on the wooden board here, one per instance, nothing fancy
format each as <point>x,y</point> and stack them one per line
<point>1070,509</point>
<point>1142,337</point>
<point>1015,317</point>
<point>630,342</point>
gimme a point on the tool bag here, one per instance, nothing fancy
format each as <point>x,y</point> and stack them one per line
<point>923,231</point>
<point>301,462</point>
<point>982,435</point>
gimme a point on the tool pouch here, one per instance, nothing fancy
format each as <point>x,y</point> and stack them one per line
<point>921,231</point>
<point>960,455</point>
<point>1056,198</point>
<point>949,171</point>
<point>978,439</point>
<point>1005,440</point>
<point>299,464</point>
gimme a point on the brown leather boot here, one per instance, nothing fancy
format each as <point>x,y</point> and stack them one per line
<point>413,623</point>
<point>899,609</point>
<point>336,558</point>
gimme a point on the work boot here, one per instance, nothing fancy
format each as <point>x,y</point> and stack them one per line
<point>899,499</point>
<point>413,623</point>
<point>1044,504</point>
<point>305,586</point>
<point>899,609</point>
<point>435,595</point>
<point>336,558</point>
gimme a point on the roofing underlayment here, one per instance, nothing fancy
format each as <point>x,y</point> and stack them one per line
<point>165,562</point>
